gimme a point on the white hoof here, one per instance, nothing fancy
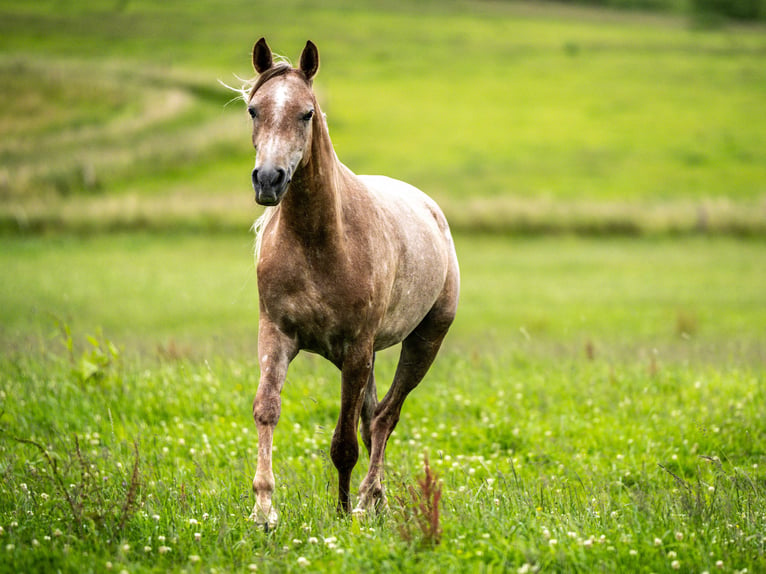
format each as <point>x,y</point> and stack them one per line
<point>266,520</point>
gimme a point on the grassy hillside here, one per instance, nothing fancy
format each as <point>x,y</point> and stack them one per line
<point>597,406</point>
<point>514,115</point>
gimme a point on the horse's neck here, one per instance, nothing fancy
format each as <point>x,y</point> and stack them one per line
<point>313,205</point>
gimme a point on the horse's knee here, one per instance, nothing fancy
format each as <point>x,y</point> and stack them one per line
<point>344,453</point>
<point>266,410</point>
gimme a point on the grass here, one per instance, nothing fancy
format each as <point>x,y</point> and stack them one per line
<point>598,403</point>
<point>497,109</point>
<point>596,406</point>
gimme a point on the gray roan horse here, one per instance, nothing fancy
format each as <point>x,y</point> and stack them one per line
<point>348,265</point>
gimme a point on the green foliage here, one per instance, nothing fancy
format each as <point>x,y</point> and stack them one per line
<point>597,406</point>
<point>533,117</point>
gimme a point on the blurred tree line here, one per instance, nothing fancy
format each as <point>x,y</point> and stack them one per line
<point>703,10</point>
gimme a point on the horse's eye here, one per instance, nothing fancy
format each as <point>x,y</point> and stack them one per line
<point>308,115</point>
<point>252,112</point>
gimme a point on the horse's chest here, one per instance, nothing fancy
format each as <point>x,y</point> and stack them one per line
<point>317,309</point>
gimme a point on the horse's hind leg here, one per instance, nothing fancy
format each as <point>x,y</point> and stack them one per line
<point>368,408</point>
<point>418,352</point>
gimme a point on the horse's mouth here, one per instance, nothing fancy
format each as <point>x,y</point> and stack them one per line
<point>270,185</point>
<point>269,197</point>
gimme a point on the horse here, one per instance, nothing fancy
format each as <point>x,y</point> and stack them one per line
<point>347,265</point>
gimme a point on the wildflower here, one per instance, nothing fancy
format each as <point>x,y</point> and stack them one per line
<point>303,562</point>
<point>524,569</point>
<point>719,564</point>
<point>672,554</point>
<point>125,547</point>
<point>675,565</point>
<point>44,496</point>
<point>553,542</point>
<point>205,516</point>
<point>161,538</point>
<point>313,540</point>
<point>147,549</point>
<point>633,552</point>
<point>10,547</point>
<point>35,542</point>
<point>297,541</point>
<point>197,536</point>
<point>108,565</point>
<point>163,549</point>
<point>657,542</point>
<point>57,532</point>
<point>194,558</point>
<point>23,487</point>
<point>252,567</point>
<point>679,536</point>
<point>193,522</point>
<point>156,517</point>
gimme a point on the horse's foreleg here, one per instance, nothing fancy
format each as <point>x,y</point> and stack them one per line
<point>344,451</point>
<point>275,351</point>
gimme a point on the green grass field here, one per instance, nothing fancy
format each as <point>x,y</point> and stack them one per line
<point>597,405</point>
<point>514,115</point>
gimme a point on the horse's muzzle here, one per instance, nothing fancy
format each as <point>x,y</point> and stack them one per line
<point>270,184</point>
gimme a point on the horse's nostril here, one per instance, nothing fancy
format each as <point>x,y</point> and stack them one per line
<point>255,176</point>
<point>279,177</point>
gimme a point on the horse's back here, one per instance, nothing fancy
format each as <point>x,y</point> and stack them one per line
<point>426,263</point>
<point>408,206</point>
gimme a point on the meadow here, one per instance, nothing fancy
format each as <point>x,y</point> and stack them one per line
<point>599,402</point>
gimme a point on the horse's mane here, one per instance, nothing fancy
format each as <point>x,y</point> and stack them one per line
<point>259,226</point>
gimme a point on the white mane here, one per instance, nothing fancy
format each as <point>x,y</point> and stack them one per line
<point>259,226</point>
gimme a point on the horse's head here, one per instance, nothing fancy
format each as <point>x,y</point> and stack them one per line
<point>282,106</point>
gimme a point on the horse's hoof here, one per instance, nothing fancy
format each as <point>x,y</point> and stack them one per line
<point>263,520</point>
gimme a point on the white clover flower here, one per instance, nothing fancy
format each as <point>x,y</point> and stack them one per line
<point>197,536</point>
<point>193,522</point>
<point>164,549</point>
<point>302,561</point>
<point>675,565</point>
<point>313,540</point>
<point>161,538</point>
<point>553,542</point>
<point>672,554</point>
<point>297,541</point>
<point>156,517</point>
<point>147,549</point>
<point>633,552</point>
<point>194,558</point>
<point>719,564</point>
<point>44,496</point>
<point>657,542</point>
<point>23,487</point>
<point>125,547</point>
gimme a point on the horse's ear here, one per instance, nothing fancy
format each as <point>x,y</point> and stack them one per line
<point>262,59</point>
<point>310,60</point>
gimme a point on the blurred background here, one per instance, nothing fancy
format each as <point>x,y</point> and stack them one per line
<point>634,115</point>
<point>640,118</point>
